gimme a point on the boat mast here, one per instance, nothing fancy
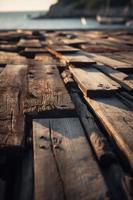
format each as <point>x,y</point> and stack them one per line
<point>107,6</point>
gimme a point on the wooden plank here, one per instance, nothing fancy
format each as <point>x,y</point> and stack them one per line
<point>99,142</point>
<point>94,48</point>
<point>29,43</point>
<point>33,51</point>
<point>117,120</point>
<point>124,98</point>
<point>13,61</point>
<point>47,182</point>
<point>115,64</point>
<point>1,69</point>
<point>64,49</point>
<point>75,41</point>
<point>10,35</point>
<point>123,79</point>
<point>77,168</point>
<point>77,59</point>
<point>8,47</point>
<point>46,58</point>
<point>12,90</point>
<point>128,56</point>
<point>120,56</point>
<point>11,58</point>
<point>120,40</point>
<point>119,182</point>
<point>46,91</point>
<point>94,83</point>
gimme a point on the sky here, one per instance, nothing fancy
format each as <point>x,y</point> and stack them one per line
<point>24,5</point>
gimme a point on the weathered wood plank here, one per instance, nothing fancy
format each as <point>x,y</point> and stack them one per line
<point>77,59</point>
<point>117,120</point>
<point>94,83</point>
<point>8,47</point>
<point>10,35</point>
<point>113,63</point>
<point>46,91</point>
<point>94,48</point>
<point>33,51</point>
<point>75,41</point>
<point>12,92</point>
<point>122,78</point>
<point>11,58</point>
<point>46,58</point>
<point>64,48</point>
<point>29,43</point>
<point>99,142</point>
<point>77,168</point>
<point>47,183</point>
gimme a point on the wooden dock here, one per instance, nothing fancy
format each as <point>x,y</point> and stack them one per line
<point>66,115</point>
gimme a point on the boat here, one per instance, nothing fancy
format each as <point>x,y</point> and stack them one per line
<point>111,15</point>
<point>110,20</point>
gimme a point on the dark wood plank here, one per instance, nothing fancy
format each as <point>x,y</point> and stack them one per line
<point>33,51</point>
<point>94,83</point>
<point>10,35</point>
<point>99,142</point>
<point>119,182</point>
<point>12,93</point>
<point>79,172</point>
<point>117,120</point>
<point>23,187</point>
<point>46,91</point>
<point>47,182</point>
<point>2,189</point>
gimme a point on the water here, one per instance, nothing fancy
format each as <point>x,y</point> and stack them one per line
<point>21,21</point>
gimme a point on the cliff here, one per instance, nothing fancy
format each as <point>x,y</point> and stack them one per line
<point>79,8</point>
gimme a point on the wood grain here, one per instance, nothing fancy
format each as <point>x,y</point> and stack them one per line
<point>117,120</point>
<point>47,182</point>
<point>77,168</point>
<point>94,83</point>
<point>46,91</point>
<point>12,94</point>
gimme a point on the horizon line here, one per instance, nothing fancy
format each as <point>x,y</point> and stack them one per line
<point>23,10</point>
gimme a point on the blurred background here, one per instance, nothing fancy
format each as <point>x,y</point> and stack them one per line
<point>66,14</point>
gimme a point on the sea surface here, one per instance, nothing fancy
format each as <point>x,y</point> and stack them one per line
<point>22,20</point>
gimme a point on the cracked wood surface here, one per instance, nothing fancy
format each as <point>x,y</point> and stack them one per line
<point>117,119</point>
<point>12,89</point>
<point>46,91</point>
<point>61,152</point>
